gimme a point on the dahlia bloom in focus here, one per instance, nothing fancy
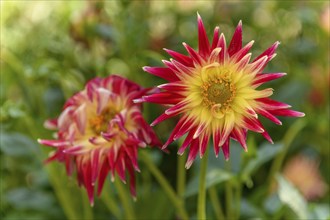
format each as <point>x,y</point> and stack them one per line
<point>100,131</point>
<point>215,90</point>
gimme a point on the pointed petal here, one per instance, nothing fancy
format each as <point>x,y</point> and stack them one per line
<point>236,42</point>
<point>102,177</point>
<point>270,104</point>
<point>253,124</point>
<point>240,136</point>
<point>287,113</point>
<point>193,151</point>
<point>162,72</point>
<point>203,144</point>
<point>225,149</point>
<point>203,41</point>
<point>268,115</point>
<point>242,52</point>
<point>187,141</point>
<point>185,60</point>
<point>266,77</point>
<point>193,54</point>
<point>216,141</point>
<point>223,53</point>
<point>215,38</point>
<point>269,52</point>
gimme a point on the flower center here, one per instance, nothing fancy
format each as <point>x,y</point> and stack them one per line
<point>100,122</point>
<point>218,93</point>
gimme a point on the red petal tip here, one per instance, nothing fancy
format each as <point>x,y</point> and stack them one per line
<point>145,68</point>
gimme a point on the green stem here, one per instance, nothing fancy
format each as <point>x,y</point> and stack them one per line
<point>287,141</point>
<point>216,203</point>
<point>238,196</point>
<point>201,203</point>
<point>87,209</point>
<point>181,177</point>
<point>176,201</point>
<point>124,197</point>
<point>62,192</point>
<point>229,193</point>
<point>110,203</point>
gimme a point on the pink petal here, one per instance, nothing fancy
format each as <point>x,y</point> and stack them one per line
<point>178,108</point>
<point>203,145</point>
<point>160,98</point>
<point>270,104</point>
<point>174,132</point>
<point>186,126</point>
<point>223,53</point>
<point>186,142</point>
<point>200,129</point>
<point>253,124</point>
<point>236,42</point>
<point>193,151</point>
<point>240,136</point>
<point>268,115</point>
<point>103,174</point>
<point>287,113</point>
<point>173,86</point>
<point>225,149</point>
<point>183,70</point>
<point>54,143</point>
<point>258,65</point>
<point>216,141</point>
<point>203,41</point>
<point>161,118</point>
<point>193,54</point>
<point>266,77</point>
<point>269,52</point>
<point>51,124</point>
<point>162,72</point>
<point>185,60</point>
<point>242,52</point>
<point>131,179</point>
<point>215,38</point>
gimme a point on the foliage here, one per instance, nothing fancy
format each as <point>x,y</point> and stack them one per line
<point>49,49</point>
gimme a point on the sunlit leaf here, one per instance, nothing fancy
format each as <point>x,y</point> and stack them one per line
<point>290,196</point>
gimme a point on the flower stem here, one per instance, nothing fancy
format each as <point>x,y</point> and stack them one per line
<point>201,203</point>
<point>238,196</point>
<point>216,203</point>
<point>287,140</point>
<point>109,203</point>
<point>176,201</point>
<point>181,177</point>
<point>124,197</point>
<point>229,193</point>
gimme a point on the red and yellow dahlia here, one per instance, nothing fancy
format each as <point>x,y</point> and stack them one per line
<point>215,91</point>
<point>100,131</point>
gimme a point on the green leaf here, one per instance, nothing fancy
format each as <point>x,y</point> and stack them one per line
<point>320,212</point>
<point>290,196</point>
<point>16,144</point>
<point>23,198</point>
<point>213,176</point>
<point>264,154</point>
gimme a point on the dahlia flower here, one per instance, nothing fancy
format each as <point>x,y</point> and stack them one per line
<point>215,91</point>
<point>100,131</point>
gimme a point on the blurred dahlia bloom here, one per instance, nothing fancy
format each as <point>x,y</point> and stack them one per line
<point>303,172</point>
<point>215,91</point>
<point>100,131</point>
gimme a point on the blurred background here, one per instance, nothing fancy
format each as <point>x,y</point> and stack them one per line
<point>50,49</point>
